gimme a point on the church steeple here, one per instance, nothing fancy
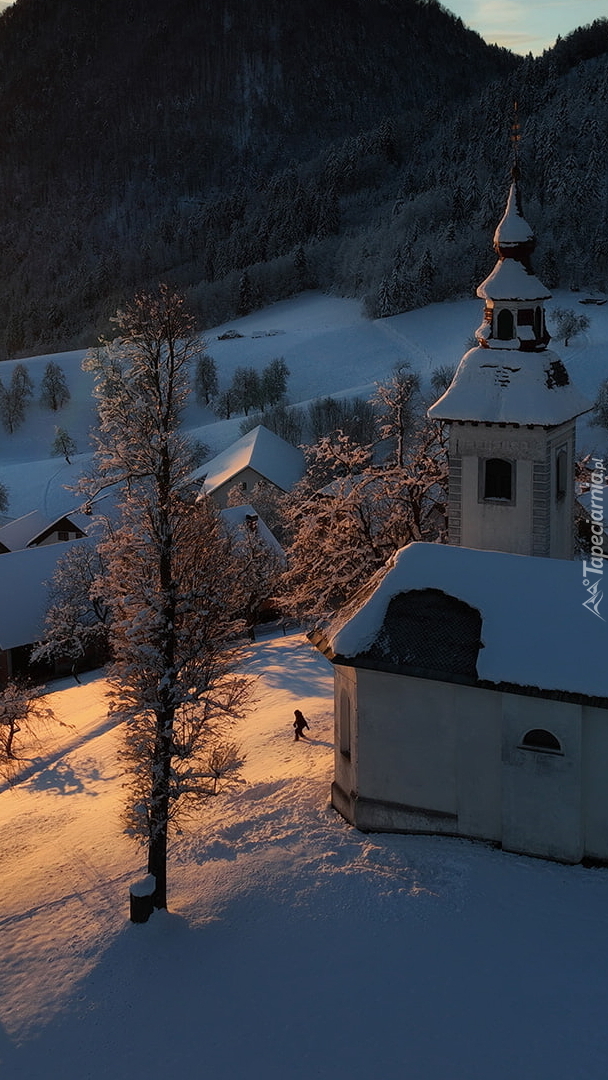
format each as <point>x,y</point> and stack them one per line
<point>512,410</point>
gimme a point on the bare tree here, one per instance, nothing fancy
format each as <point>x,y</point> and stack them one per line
<point>13,401</point>
<point>567,324</point>
<point>78,616</point>
<point>396,400</point>
<point>54,392</point>
<point>205,379</point>
<point>63,444</point>
<point>168,581</point>
<point>350,514</point>
<point>23,713</point>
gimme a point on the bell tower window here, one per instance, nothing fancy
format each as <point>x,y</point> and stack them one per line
<point>504,325</point>
<point>498,479</point>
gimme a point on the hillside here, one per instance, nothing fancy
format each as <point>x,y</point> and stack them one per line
<point>329,348</point>
<point>142,139</point>
<point>248,151</point>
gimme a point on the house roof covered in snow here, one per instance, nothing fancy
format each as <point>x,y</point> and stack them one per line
<point>243,517</point>
<point>510,280</point>
<point>535,632</point>
<point>508,386</point>
<point>24,577</point>
<point>30,529</point>
<point>261,450</point>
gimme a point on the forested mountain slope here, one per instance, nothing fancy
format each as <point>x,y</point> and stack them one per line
<point>247,150</point>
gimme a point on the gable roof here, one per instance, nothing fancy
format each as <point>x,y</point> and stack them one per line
<point>260,449</point>
<point>33,527</point>
<point>235,518</point>
<point>535,631</point>
<point>24,576</point>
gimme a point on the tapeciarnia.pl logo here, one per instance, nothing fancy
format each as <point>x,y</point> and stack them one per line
<point>593,570</point>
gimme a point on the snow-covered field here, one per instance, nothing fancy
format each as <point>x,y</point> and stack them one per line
<point>329,348</point>
<point>295,946</point>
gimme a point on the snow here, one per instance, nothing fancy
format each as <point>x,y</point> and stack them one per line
<point>329,348</point>
<point>261,450</point>
<point>512,228</point>
<point>25,530</point>
<point>508,386</point>
<point>526,605</point>
<point>295,946</point>
<point>509,280</point>
<point>24,579</point>
<point>235,518</point>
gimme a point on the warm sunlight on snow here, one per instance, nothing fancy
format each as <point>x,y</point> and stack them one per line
<point>283,919</point>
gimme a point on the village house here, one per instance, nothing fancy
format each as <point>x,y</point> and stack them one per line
<point>36,530</point>
<point>471,689</point>
<point>260,455</point>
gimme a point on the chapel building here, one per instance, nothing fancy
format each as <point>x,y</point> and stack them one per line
<point>470,688</point>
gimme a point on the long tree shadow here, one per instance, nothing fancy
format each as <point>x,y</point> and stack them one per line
<point>60,778</point>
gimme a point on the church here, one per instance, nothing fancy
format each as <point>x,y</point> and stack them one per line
<point>471,684</point>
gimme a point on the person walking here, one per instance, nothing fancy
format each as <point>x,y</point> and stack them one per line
<point>299,724</point>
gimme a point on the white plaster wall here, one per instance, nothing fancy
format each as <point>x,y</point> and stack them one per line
<point>542,812</point>
<point>345,768</point>
<point>561,541</point>
<point>406,741</point>
<point>595,781</point>
<point>247,476</point>
<point>497,526</point>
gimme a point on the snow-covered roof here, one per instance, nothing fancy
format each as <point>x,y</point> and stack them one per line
<point>261,450</point>
<point>23,578</point>
<point>512,387</point>
<point>510,280</point>
<point>236,517</point>
<point>535,631</point>
<point>512,229</point>
<point>22,531</point>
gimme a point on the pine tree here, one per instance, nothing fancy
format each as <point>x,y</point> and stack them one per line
<point>169,577</point>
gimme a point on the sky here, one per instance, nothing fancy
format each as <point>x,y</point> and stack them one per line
<point>526,25</point>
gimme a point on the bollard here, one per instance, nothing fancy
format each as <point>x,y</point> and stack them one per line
<point>141,894</point>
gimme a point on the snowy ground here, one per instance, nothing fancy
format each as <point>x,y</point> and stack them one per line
<point>329,348</point>
<point>296,947</point>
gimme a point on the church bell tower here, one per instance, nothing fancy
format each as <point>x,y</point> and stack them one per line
<point>512,413</point>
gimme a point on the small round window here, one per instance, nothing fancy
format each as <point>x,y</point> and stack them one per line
<point>540,739</point>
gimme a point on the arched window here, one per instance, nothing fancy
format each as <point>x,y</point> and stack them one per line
<point>540,739</point>
<point>504,325</point>
<point>498,479</point>
<point>538,322</point>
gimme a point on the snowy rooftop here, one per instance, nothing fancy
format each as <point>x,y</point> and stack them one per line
<point>236,517</point>
<point>512,387</point>
<point>261,450</point>
<point>20,532</point>
<point>512,228</point>
<point>510,280</point>
<point>23,587</point>
<point>535,631</point>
